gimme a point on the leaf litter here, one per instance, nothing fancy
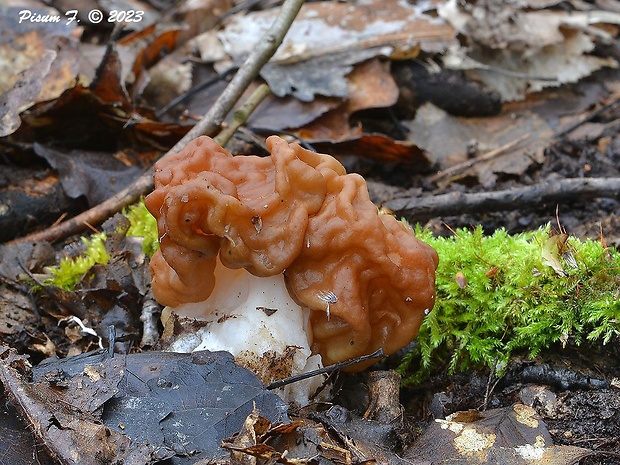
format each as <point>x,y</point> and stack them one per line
<point>119,104</point>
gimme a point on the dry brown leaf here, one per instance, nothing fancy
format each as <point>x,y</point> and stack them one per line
<point>200,15</point>
<point>142,49</point>
<point>511,436</point>
<point>35,66</point>
<point>370,85</point>
<point>169,78</point>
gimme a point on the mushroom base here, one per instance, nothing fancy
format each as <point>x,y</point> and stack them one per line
<point>254,319</point>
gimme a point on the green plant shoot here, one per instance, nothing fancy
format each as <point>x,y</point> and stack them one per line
<point>70,270</point>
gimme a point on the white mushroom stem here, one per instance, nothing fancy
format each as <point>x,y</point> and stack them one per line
<point>257,321</point>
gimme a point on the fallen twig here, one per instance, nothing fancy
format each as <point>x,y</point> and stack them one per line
<point>241,116</point>
<point>328,369</point>
<point>460,167</point>
<point>451,171</point>
<point>260,55</point>
<point>457,203</point>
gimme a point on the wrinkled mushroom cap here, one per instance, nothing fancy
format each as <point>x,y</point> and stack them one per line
<point>365,277</point>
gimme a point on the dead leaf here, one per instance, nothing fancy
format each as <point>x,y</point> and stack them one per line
<point>94,175</point>
<point>69,430</point>
<point>169,78</point>
<point>516,52</point>
<point>199,16</point>
<point>370,85</point>
<point>95,116</point>
<point>20,322</point>
<point>377,147</point>
<point>447,140</point>
<point>149,14</point>
<point>141,50</point>
<point>277,113</point>
<point>511,436</point>
<point>328,38</point>
<point>17,444</point>
<point>22,45</point>
<point>553,251</point>
<point>138,409</point>
<point>50,66</point>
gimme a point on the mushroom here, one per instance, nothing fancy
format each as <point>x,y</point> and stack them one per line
<point>281,253</point>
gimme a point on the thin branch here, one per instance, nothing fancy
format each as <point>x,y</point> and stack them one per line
<point>456,169</point>
<point>260,55</point>
<point>457,203</point>
<point>241,115</point>
<point>328,369</point>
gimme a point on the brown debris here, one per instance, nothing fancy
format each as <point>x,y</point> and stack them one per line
<point>384,397</point>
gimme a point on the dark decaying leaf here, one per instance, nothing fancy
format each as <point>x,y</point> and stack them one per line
<point>112,294</point>
<point>277,113</point>
<point>94,175</point>
<point>136,409</point>
<point>378,147</point>
<point>30,197</point>
<point>511,436</point>
<point>18,445</point>
<point>31,256</point>
<point>21,325</point>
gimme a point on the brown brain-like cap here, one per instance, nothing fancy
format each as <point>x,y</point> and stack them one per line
<point>366,278</point>
<point>376,276</point>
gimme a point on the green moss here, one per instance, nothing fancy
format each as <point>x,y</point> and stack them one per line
<point>70,270</point>
<point>502,294</point>
<point>144,225</point>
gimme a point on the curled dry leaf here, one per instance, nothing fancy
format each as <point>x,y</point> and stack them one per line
<point>328,38</point>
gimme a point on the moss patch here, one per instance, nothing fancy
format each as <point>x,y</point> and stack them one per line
<point>500,294</point>
<point>70,270</point>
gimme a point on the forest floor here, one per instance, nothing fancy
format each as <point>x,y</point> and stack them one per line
<point>417,136</point>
